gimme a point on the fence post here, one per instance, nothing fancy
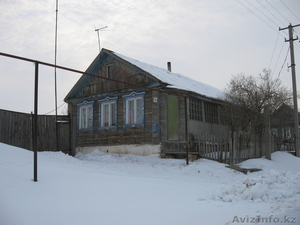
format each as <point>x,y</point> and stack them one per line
<point>267,135</point>
<point>233,150</point>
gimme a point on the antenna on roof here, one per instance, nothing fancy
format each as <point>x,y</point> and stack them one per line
<point>99,35</point>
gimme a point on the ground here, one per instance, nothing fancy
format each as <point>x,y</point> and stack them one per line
<point>99,188</point>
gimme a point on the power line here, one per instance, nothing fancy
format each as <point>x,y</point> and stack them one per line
<point>273,51</point>
<point>261,12</point>
<point>269,11</point>
<point>289,9</point>
<point>258,16</point>
<point>277,11</point>
<point>279,56</point>
<point>284,62</point>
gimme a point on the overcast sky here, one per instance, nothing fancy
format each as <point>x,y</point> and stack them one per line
<point>208,41</point>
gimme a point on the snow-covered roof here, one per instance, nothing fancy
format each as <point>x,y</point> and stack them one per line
<point>176,80</point>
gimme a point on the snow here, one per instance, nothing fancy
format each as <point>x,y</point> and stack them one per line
<point>176,80</point>
<point>99,188</point>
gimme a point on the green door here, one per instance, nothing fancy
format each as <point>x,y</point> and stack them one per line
<point>173,118</point>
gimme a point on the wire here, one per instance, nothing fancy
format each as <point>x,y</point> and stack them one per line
<point>25,29</point>
<point>273,51</point>
<point>279,56</point>
<point>284,62</point>
<point>270,12</point>
<point>77,24</point>
<point>258,16</point>
<point>54,109</point>
<point>289,9</point>
<point>278,11</point>
<point>262,13</point>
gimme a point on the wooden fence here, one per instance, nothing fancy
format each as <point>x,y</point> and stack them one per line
<point>16,130</point>
<point>281,144</point>
<point>226,149</point>
<point>229,149</point>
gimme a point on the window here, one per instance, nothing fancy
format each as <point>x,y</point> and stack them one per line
<point>195,110</point>
<point>211,113</point>
<point>134,109</point>
<point>85,116</point>
<point>274,131</point>
<point>111,71</point>
<point>108,113</point>
<point>286,131</point>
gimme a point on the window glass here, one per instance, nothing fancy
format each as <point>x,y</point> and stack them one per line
<point>139,111</point>
<point>105,118</point>
<point>195,110</point>
<point>111,71</point>
<point>113,114</point>
<point>211,113</point>
<point>130,111</point>
<point>83,118</point>
<point>90,117</point>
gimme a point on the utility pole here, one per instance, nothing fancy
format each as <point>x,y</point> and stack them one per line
<point>293,65</point>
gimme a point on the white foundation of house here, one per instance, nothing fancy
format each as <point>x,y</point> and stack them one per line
<point>142,150</point>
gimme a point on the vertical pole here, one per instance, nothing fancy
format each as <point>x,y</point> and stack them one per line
<point>267,132</point>
<point>293,65</point>
<point>55,82</point>
<point>99,40</point>
<point>294,91</point>
<point>186,132</point>
<point>35,117</point>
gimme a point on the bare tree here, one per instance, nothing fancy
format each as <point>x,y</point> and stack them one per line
<point>248,95</point>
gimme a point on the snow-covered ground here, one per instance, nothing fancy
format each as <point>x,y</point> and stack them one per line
<point>113,189</point>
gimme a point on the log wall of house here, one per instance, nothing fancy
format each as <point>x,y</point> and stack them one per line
<point>121,136</point>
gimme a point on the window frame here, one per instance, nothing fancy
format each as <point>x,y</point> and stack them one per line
<point>134,96</point>
<point>108,101</point>
<point>80,107</point>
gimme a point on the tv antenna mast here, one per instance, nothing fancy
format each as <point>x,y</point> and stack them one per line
<point>102,28</point>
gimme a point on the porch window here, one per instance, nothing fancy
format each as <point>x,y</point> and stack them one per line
<point>195,110</point>
<point>211,113</point>
<point>85,116</point>
<point>134,110</point>
<point>108,113</point>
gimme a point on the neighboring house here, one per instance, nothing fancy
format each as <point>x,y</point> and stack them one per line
<point>283,123</point>
<point>150,106</point>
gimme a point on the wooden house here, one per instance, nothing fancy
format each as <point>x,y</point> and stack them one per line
<point>283,123</point>
<point>132,107</point>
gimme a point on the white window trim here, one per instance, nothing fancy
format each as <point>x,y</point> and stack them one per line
<point>102,103</point>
